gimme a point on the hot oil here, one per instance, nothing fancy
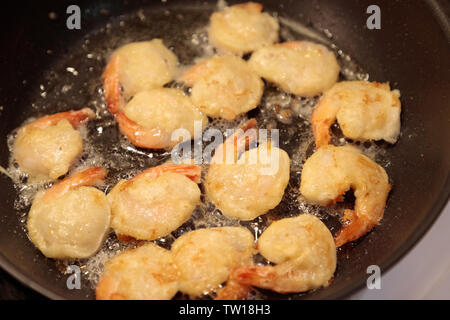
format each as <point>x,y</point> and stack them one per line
<point>74,81</point>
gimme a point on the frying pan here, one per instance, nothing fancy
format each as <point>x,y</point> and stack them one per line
<point>411,50</point>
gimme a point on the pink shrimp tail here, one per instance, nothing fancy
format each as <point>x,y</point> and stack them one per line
<point>191,171</point>
<point>233,290</point>
<point>239,141</point>
<point>355,228</point>
<point>250,124</point>
<point>75,117</point>
<point>195,73</point>
<point>140,136</point>
<point>321,130</point>
<point>88,177</point>
<point>260,276</point>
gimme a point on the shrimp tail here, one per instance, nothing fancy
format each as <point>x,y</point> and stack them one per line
<point>237,142</point>
<point>111,86</point>
<point>75,117</point>
<point>123,238</point>
<point>196,72</point>
<point>233,290</point>
<point>323,117</point>
<point>354,228</point>
<point>191,171</point>
<point>250,124</point>
<point>243,141</point>
<point>88,177</point>
<point>259,276</point>
<point>321,132</point>
<point>139,136</point>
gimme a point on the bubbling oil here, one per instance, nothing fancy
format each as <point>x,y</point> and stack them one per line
<point>75,81</point>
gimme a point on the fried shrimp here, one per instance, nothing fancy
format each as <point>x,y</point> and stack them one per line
<point>152,116</point>
<point>145,273</point>
<point>364,111</point>
<point>138,71</point>
<point>205,257</point>
<point>300,67</point>
<point>224,87</point>
<point>242,28</point>
<point>71,219</point>
<point>248,186</point>
<point>332,171</point>
<point>304,254</point>
<point>155,202</point>
<point>46,147</point>
<point>136,67</point>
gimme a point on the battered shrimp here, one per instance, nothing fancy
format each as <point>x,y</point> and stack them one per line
<point>152,116</point>
<point>242,28</point>
<point>332,171</point>
<point>224,87</point>
<point>154,113</point>
<point>136,67</point>
<point>299,67</point>
<point>45,148</point>
<point>155,202</point>
<point>303,250</point>
<point>205,257</point>
<point>70,220</point>
<point>145,273</point>
<point>364,111</point>
<point>247,187</point>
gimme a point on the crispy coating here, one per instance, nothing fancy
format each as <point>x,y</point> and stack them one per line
<point>242,28</point>
<point>145,273</point>
<point>147,208</point>
<point>70,220</point>
<point>331,171</point>
<point>154,115</point>
<point>304,254</point>
<point>224,87</point>
<point>302,68</point>
<point>205,257</point>
<point>364,111</point>
<point>247,189</point>
<point>46,147</point>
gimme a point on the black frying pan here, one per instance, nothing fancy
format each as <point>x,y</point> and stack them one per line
<point>411,51</point>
